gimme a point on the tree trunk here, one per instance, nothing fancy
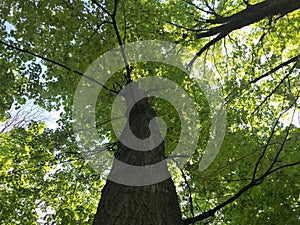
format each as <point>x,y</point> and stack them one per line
<point>155,204</point>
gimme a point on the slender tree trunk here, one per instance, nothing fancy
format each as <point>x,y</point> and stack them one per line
<point>155,204</point>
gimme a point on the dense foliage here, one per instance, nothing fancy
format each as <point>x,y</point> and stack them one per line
<point>253,47</point>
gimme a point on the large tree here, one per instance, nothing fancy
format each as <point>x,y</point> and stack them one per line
<point>251,47</point>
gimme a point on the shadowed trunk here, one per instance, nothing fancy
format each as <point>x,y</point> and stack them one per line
<point>149,204</point>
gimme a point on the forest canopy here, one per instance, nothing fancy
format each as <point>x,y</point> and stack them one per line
<point>249,47</point>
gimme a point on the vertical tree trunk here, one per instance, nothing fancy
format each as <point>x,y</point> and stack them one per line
<point>155,204</point>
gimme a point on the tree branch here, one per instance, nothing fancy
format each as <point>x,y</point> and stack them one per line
<point>209,44</point>
<point>212,212</point>
<point>203,10</point>
<point>188,187</point>
<point>120,42</point>
<point>101,7</point>
<point>254,181</point>
<point>56,63</point>
<point>182,27</point>
<point>259,11</point>
<point>275,160</point>
<point>252,184</point>
<point>294,59</point>
<point>250,15</point>
<point>275,89</point>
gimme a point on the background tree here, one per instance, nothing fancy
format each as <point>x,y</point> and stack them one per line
<point>252,45</point>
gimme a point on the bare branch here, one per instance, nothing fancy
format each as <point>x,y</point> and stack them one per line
<point>21,117</point>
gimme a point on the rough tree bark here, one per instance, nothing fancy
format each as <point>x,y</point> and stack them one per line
<point>152,204</point>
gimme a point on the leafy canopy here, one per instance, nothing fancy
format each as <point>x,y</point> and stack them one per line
<point>47,45</point>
